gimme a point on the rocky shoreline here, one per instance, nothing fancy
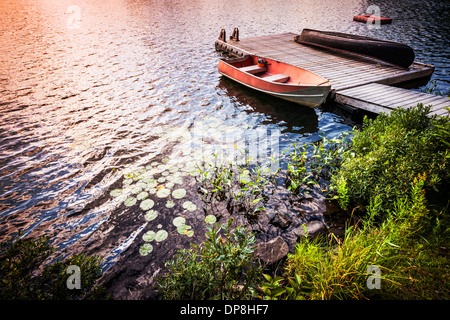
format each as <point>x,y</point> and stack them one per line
<point>287,219</point>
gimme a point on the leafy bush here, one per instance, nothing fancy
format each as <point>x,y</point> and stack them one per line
<point>223,267</point>
<point>23,275</point>
<point>240,185</point>
<point>314,163</point>
<point>389,152</point>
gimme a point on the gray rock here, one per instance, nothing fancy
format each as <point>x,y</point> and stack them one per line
<point>272,251</point>
<point>313,229</point>
<point>281,220</point>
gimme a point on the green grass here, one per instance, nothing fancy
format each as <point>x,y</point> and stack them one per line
<point>405,247</point>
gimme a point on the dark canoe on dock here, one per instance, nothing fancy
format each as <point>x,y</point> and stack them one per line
<point>388,51</point>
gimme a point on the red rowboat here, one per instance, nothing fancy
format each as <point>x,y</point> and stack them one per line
<point>277,79</point>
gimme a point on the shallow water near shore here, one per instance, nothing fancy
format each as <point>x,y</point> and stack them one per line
<point>111,95</point>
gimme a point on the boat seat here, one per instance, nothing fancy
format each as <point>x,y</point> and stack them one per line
<point>253,69</point>
<point>277,78</point>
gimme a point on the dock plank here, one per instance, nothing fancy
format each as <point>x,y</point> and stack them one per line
<point>383,98</point>
<point>414,100</point>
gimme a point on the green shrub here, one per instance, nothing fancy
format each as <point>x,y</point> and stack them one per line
<point>388,153</point>
<point>240,185</point>
<point>24,276</point>
<point>312,164</point>
<point>223,267</point>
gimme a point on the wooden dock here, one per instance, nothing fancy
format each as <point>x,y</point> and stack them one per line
<point>357,81</point>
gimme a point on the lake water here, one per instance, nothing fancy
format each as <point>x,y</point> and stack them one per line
<point>92,92</point>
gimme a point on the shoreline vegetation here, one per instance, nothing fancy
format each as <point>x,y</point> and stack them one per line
<point>391,177</point>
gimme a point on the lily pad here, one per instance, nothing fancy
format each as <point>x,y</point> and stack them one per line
<point>179,193</point>
<point>169,185</point>
<point>179,221</point>
<point>161,179</point>
<point>130,201</point>
<point>190,233</point>
<point>183,229</point>
<point>147,204</point>
<point>173,169</point>
<point>170,204</point>
<point>162,193</point>
<point>151,184</point>
<point>210,219</point>
<point>178,180</point>
<point>127,181</point>
<point>148,179</point>
<point>161,235</point>
<point>141,184</point>
<point>136,189</point>
<point>151,215</point>
<point>188,205</point>
<point>149,236</point>
<point>145,249</point>
<point>162,167</point>
<point>142,195</point>
<point>115,192</point>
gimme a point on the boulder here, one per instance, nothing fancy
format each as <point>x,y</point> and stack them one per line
<point>272,251</point>
<point>281,220</point>
<point>313,229</point>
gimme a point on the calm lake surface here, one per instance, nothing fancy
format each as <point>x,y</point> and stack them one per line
<point>95,95</point>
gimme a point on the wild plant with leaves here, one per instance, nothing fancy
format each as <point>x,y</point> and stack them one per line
<point>222,267</point>
<point>389,152</point>
<point>242,186</point>
<point>313,164</point>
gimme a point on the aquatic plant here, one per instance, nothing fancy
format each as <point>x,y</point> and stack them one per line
<point>210,219</point>
<point>161,235</point>
<point>170,204</point>
<point>145,249</point>
<point>178,193</point>
<point>313,164</point>
<point>149,236</point>
<point>242,186</point>
<point>151,215</point>
<point>189,205</point>
<point>178,221</point>
<point>130,201</point>
<point>163,192</point>
<point>147,204</point>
